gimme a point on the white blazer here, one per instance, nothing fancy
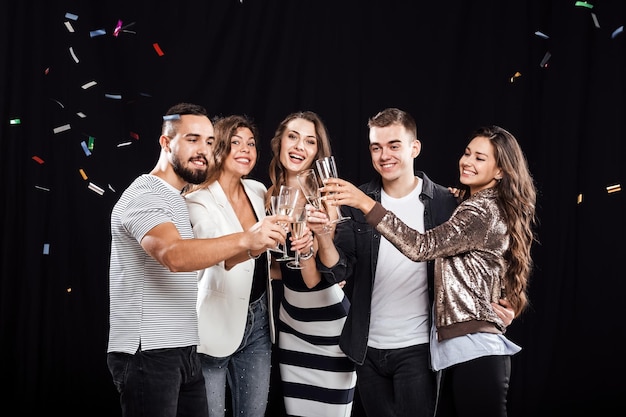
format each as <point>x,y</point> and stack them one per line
<point>223,296</point>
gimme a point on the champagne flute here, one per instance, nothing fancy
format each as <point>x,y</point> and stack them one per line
<point>273,210</point>
<point>326,168</point>
<point>298,226</point>
<point>310,186</point>
<point>287,200</point>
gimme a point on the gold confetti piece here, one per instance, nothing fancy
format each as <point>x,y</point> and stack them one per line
<point>613,188</point>
<point>579,199</point>
<point>516,75</point>
<point>69,290</point>
<point>82,174</point>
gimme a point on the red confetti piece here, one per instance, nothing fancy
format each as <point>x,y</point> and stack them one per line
<point>118,28</point>
<point>37,159</point>
<point>134,135</point>
<point>157,48</point>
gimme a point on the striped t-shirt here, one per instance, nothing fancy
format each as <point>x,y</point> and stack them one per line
<point>148,303</point>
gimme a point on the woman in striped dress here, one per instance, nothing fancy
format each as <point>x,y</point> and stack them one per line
<point>317,378</point>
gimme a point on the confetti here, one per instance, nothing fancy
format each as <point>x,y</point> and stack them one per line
<point>69,27</point>
<point>91,143</point>
<point>46,71</point>
<point>114,96</point>
<point>62,128</point>
<point>119,145</point>
<point>98,32</point>
<point>171,117</point>
<point>71,16</point>
<point>544,61</point>
<point>595,20</point>
<point>613,188</point>
<point>73,55</point>
<point>157,48</point>
<point>579,199</point>
<point>81,115</point>
<point>42,188</point>
<point>58,102</point>
<point>583,4</point>
<point>85,148</point>
<point>134,135</point>
<point>118,28</point>
<point>93,187</point>
<point>46,249</point>
<point>88,85</point>
<point>542,35</point>
<point>82,174</point>
<point>15,122</point>
<point>515,76</point>
<point>68,290</point>
<point>38,159</point>
<point>617,32</point>
<point>111,188</point>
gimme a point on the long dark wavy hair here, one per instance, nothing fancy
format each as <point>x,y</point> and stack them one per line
<point>517,197</point>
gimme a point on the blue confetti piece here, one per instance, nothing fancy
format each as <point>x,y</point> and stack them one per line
<point>172,117</point>
<point>617,32</point>
<point>85,148</point>
<point>71,16</point>
<point>541,35</point>
<point>46,249</point>
<point>98,32</point>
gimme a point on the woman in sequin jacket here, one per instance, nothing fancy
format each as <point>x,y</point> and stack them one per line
<point>482,253</point>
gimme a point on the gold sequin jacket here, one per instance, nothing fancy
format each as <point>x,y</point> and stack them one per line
<point>469,261</point>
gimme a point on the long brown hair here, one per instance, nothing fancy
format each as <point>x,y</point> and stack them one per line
<point>276,168</point>
<point>517,197</point>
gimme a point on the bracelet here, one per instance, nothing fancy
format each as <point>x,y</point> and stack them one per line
<point>252,256</point>
<point>308,255</point>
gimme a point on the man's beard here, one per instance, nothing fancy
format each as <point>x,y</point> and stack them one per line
<point>191,176</point>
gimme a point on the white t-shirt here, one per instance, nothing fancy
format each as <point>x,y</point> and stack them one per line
<point>148,303</point>
<point>400,306</point>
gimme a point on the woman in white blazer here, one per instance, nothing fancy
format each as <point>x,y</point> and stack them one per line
<point>235,321</point>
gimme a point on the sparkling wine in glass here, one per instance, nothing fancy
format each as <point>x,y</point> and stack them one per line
<point>287,200</point>
<point>326,168</point>
<point>273,210</point>
<point>298,226</point>
<point>310,186</point>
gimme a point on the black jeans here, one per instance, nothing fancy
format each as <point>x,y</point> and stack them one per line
<point>397,382</point>
<point>475,388</point>
<point>159,383</point>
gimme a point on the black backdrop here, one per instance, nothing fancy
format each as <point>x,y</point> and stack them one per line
<point>449,63</point>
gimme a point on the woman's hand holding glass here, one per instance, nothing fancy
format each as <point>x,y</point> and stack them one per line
<point>327,169</point>
<point>310,185</point>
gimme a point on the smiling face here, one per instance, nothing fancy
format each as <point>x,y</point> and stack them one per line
<point>243,153</point>
<point>477,166</point>
<point>190,148</point>
<point>298,146</point>
<point>393,150</point>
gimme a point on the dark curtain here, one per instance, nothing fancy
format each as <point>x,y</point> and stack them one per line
<point>451,64</point>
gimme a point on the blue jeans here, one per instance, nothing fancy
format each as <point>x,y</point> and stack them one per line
<point>247,370</point>
<point>159,382</point>
<point>397,382</point>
